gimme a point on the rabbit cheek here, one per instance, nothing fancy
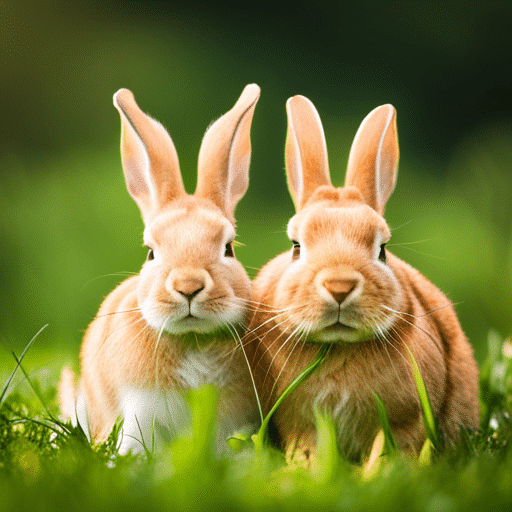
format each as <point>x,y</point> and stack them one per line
<point>234,290</point>
<point>382,300</point>
<point>153,300</point>
<point>291,294</point>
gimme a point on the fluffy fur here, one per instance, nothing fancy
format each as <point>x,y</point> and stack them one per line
<point>339,285</point>
<point>177,324</point>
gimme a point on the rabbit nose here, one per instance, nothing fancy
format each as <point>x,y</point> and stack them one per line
<point>340,289</point>
<point>189,287</point>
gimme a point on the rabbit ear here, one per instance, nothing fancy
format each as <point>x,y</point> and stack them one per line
<point>307,167</point>
<point>150,161</point>
<point>373,160</point>
<point>223,168</point>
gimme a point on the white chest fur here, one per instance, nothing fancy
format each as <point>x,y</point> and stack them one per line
<point>152,416</point>
<point>149,415</point>
<point>197,368</point>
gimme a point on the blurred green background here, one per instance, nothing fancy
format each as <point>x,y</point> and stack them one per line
<point>68,225</point>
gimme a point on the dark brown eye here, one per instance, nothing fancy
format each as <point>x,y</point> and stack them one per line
<point>295,250</point>
<point>382,254</point>
<point>230,252</point>
<point>150,256</point>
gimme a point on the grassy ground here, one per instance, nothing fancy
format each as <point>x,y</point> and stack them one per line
<point>47,465</point>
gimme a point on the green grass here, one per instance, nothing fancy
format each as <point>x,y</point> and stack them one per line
<point>48,465</point>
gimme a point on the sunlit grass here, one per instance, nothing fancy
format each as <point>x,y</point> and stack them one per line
<point>46,464</point>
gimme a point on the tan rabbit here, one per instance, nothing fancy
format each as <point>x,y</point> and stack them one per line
<point>338,284</point>
<point>177,324</point>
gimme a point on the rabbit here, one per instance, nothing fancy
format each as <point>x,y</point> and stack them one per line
<point>177,324</point>
<point>338,284</point>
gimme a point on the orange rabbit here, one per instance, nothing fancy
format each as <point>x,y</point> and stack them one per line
<point>338,284</point>
<point>177,324</point>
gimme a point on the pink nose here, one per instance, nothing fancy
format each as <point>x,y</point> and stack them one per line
<point>188,287</point>
<point>340,289</point>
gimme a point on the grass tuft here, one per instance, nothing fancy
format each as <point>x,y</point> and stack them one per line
<point>46,464</point>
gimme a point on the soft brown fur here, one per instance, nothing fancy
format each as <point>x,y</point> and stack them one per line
<point>140,338</point>
<point>340,231</point>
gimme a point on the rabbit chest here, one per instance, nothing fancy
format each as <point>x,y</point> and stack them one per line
<point>154,415</point>
<point>344,389</point>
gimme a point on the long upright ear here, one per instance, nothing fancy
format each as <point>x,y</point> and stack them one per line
<point>373,160</point>
<point>223,168</point>
<point>150,162</point>
<point>307,167</point>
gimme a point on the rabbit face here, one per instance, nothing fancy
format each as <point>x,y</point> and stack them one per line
<point>337,285</point>
<point>192,280</point>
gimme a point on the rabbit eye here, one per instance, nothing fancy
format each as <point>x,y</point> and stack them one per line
<point>382,254</point>
<point>295,250</point>
<point>230,251</point>
<point>151,255</point>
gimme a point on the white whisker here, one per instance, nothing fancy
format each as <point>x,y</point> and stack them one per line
<point>233,330</point>
<point>300,327</point>
<point>279,350</point>
<point>156,355</point>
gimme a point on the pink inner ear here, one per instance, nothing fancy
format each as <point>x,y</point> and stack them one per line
<point>239,181</point>
<point>387,160</point>
<point>150,162</point>
<point>133,158</point>
<point>306,152</point>
<point>223,168</point>
<point>373,160</point>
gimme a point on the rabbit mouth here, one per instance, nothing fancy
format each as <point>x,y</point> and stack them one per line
<point>340,332</point>
<point>180,319</point>
<point>201,323</point>
<point>339,324</point>
<point>339,327</point>
<point>190,323</point>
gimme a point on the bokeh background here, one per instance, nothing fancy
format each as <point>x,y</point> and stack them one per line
<point>68,227</point>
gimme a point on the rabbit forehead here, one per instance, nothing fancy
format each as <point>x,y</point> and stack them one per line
<point>189,223</point>
<point>333,220</point>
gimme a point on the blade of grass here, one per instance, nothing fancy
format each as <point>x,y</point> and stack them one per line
<point>429,421</point>
<point>327,460</point>
<point>3,394</point>
<point>260,437</point>
<point>21,418</point>
<point>372,465</point>
<point>492,389</point>
<point>239,440</point>
<point>36,392</point>
<point>24,419</point>
<point>390,444</point>
<point>51,417</point>
<point>142,441</point>
<point>194,448</point>
<point>425,456</point>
